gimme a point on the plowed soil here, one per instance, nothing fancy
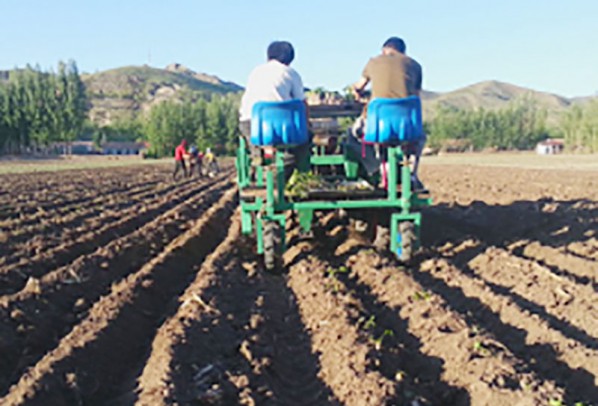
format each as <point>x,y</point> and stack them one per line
<point>121,287</point>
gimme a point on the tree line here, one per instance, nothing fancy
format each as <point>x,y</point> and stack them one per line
<point>204,122</point>
<point>517,127</point>
<point>579,126</point>
<point>37,108</point>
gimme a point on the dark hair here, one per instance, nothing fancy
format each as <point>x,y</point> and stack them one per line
<point>282,51</point>
<point>395,43</point>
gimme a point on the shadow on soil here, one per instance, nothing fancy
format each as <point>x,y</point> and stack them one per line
<point>257,340</point>
<point>549,222</point>
<point>401,352</point>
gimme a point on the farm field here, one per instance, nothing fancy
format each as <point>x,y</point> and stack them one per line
<point>61,163</point>
<point>119,286</point>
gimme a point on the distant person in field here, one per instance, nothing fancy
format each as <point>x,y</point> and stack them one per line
<point>210,162</point>
<point>194,161</point>
<point>393,74</point>
<point>274,80</point>
<point>180,153</point>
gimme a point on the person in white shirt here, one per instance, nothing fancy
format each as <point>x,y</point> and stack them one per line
<point>274,80</point>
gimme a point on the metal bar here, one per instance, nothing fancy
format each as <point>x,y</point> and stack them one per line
<point>392,173</point>
<point>241,164</point>
<point>340,204</point>
<point>280,182</point>
<point>327,160</point>
<point>246,222</point>
<point>305,219</point>
<point>256,206</point>
<point>406,192</point>
<point>269,191</point>
<point>335,110</point>
<point>259,235</point>
<point>395,219</point>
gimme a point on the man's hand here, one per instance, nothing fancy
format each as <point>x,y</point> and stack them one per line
<point>356,93</point>
<point>359,87</point>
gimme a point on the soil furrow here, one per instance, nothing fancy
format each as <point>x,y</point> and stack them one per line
<point>582,270</point>
<point>585,250</point>
<point>154,383</point>
<point>63,296</point>
<point>330,317</point>
<point>15,275</point>
<point>57,192</point>
<point>44,216</point>
<point>417,341</point>
<point>468,298</point>
<point>42,237</point>
<point>558,297</point>
<point>247,346</point>
<point>98,353</point>
<point>565,337</point>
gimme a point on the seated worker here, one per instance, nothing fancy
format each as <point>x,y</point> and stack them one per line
<point>274,80</point>
<point>394,75</point>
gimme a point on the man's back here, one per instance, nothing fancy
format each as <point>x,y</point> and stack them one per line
<point>393,76</point>
<point>272,81</point>
<point>179,153</point>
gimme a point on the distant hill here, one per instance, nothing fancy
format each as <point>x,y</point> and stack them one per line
<point>122,92</point>
<point>126,91</point>
<point>493,95</point>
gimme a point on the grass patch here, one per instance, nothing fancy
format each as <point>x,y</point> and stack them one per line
<point>53,165</point>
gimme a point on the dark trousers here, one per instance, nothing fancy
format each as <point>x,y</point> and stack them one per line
<point>178,165</point>
<point>195,166</point>
<point>254,152</point>
<point>295,157</point>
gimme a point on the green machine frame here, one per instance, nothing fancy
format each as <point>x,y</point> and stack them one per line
<point>270,204</point>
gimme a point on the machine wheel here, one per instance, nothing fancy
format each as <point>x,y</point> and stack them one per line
<point>272,246</point>
<point>382,238</point>
<point>408,240</point>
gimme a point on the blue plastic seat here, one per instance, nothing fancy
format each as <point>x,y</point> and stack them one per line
<point>279,123</point>
<point>394,121</point>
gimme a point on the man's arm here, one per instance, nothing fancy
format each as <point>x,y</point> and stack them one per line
<point>419,80</point>
<point>359,87</point>
<point>297,91</point>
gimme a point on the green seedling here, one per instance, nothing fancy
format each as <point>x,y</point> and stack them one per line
<point>479,348</point>
<point>332,272</point>
<point>370,323</point>
<point>299,184</point>
<point>378,341</point>
<point>555,402</point>
<point>422,295</point>
<point>333,283</point>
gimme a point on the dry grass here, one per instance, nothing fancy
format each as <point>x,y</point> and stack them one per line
<point>525,160</point>
<point>75,162</point>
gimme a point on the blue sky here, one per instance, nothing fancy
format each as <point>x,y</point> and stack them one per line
<point>549,45</point>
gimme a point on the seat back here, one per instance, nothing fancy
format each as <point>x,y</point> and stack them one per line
<point>394,121</point>
<point>279,123</point>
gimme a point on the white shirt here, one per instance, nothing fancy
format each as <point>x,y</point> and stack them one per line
<point>272,81</point>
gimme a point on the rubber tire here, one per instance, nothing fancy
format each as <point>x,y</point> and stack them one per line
<point>381,240</point>
<point>272,247</point>
<point>408,238</point>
